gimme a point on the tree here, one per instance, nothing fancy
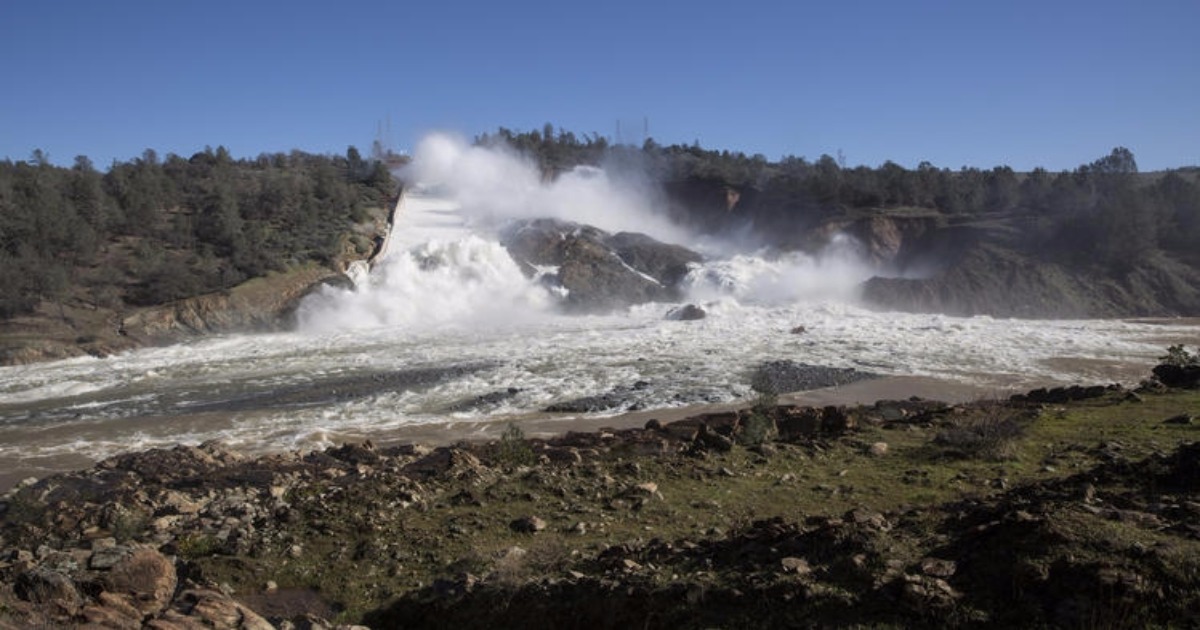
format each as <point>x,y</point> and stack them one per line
<point>1120,161</point>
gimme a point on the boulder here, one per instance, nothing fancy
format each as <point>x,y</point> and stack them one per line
<point>146,576</point>
<point>46,587</point>
<point>1186,376</point>
<point>599,270</point>
<point>778,377</point>
<point>209,608</point>
<point>528,525</point>
<point>686,313</point>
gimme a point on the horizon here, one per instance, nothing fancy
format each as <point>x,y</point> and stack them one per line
<point>1020,85</point>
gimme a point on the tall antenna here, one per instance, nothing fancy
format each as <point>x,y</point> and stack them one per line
<point>381,148</point>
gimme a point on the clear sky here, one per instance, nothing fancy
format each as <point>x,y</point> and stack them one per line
<point>958,83</point>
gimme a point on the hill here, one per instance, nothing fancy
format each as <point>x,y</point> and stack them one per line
<point>87,257</point>
<point>1102,240</point>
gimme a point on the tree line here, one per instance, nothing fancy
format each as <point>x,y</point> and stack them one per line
<point>1104,212</point>
<point>154,229</point>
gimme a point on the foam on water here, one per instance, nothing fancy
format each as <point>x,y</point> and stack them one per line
<point>466,282</point>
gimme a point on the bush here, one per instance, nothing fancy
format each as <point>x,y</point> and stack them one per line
<point>1178,356</point>
<point>992,432</point>
<point>512,450</point>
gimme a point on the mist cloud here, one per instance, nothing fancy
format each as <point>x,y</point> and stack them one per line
<point>495,184</point>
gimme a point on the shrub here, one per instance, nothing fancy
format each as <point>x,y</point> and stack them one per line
<point>992,432</point>
<point>512,450</point>
<point>1178,356</point>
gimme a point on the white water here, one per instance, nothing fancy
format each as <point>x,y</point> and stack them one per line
<point>446,294</point>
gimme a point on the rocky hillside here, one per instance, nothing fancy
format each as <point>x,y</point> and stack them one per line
<point>156,249</point>
<point>1063,508</point>
<point>1101,241</point>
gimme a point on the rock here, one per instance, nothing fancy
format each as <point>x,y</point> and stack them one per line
<point>448,463</point>
<point>528,525</point>
<point>798,424</point>
<point>924,592</point>
<point>147,576</point>
<point>686,313</point>
<point>779,377</point>
<point>629,397</point>
<point>355,453</point>
<point>1186,376</point>
<point>878,449</point>
<point>938,568</point>
<point>598,270</point>
<point>1182,418</point>
<point>213,609</point>
<point>107,557</point>
<point>868,518</point>
<point>647,489</point>
<point>113,611</point>
<point>43,586</point>
<point>713,441</point>
<point>795,565</point>
<point>799,330</point>
<point>484,401</point>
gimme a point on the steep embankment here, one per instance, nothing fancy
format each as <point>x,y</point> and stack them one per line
<point>1015,263</point>
<point>993,280</point>
<point>77,328</point>
<point>59,332</point>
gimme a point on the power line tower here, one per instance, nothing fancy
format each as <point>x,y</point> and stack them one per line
<point>634,140</point>
<point>381,148</point>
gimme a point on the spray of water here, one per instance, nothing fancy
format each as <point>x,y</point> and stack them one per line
<point>464,283</point>
<point>832,275</point>
<point>494,184</point>
<point>445,266</point>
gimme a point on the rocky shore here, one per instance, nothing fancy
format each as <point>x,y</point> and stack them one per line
<point>1061,508</point>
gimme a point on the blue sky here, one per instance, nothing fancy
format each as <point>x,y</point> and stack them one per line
<point>1051,84</point>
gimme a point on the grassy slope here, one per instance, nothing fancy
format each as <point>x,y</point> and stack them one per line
<point>363,548</point>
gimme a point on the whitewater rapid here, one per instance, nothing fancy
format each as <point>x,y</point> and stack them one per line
<point>446,299</point>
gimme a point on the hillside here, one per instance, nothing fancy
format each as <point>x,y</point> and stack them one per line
<point>96,262</point>
<point>1102,240</point>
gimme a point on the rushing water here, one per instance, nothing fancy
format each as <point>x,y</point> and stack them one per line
<point>448,328</point>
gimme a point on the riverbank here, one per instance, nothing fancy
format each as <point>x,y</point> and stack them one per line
<point>547,425</point>
<point>1048,509</point>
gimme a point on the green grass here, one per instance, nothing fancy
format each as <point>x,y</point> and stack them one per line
<point>370,550</point>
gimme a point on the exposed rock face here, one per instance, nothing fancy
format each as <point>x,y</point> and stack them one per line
<point>600,270</point>
<point>1002,282</point>
<point>261,304</point>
